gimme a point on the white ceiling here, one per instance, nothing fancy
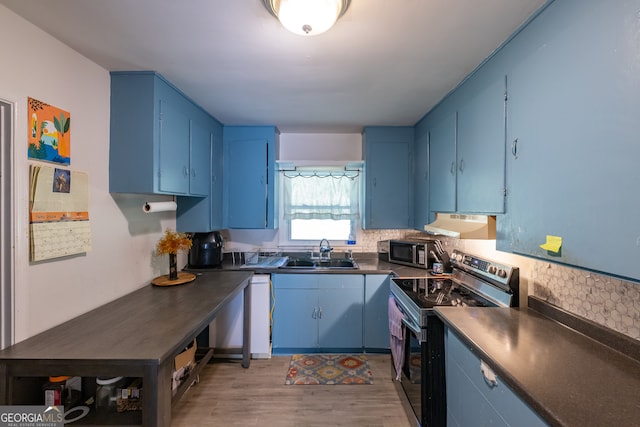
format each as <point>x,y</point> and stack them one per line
<point>384,63</point>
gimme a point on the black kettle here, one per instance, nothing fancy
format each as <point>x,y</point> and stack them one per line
<point>206,250</point>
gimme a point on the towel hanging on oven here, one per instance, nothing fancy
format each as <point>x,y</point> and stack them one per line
<point>397,334</point>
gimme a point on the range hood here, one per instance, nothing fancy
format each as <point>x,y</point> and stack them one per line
<point>463,226</point>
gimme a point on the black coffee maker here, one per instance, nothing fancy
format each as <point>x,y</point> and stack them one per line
<point>206,250</point>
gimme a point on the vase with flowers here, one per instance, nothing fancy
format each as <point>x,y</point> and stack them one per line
<point>171,243</point>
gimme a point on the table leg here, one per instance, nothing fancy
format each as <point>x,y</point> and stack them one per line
<point>156,398</point>
<point>246,328</point>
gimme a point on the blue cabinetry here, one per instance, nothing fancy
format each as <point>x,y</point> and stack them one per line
<point>574,103</point>
<point>250,177</point>
<point>196,214</point>
<point>388,155</point>
<point>376,312</point>
<point>421,214</point>
<point>442,163</point>
<point>475,396</point>
<point>467,147</point>
<point>157,141</point>
<point>313,312</point>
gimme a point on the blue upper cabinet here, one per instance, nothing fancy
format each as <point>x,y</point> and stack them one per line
<point>442,163</point>
<point>249,177</point>
<point>388,155</point>
<point>574,103</point>
<point>196,214</point>
<point>158,143</point>
<point>467,147</point>
<point>421,177</point>
<point>481,145</point>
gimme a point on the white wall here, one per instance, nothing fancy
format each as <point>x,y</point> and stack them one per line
<point>123,238</point>
<point>321,146</point>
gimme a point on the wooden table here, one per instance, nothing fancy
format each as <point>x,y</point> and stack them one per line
<point>137,335</point>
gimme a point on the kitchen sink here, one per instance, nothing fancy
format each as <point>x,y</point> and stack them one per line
<point>336,263</point>
<point>329,264</point>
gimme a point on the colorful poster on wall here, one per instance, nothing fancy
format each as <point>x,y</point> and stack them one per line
<point>49,132</point>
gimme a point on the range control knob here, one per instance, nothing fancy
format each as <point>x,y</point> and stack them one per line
<point>457,257</point>
<point>491,269</point>
<point>502,273</point>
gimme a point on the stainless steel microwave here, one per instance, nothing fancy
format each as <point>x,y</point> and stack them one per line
<point>414,254</point>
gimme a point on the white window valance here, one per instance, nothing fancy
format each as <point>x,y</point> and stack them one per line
<point>321,194</point>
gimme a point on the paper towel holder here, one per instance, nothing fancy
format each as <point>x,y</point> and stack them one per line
<point>153,207</point>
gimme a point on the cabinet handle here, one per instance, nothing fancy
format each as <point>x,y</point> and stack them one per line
<point>193,172</point>
<point>185,171</point>
<point>320,313</point>
<point>314,315</point>
<point>488,375</point>
<point>453,168</point>
<point>461,165</point>
<point>514,148</point>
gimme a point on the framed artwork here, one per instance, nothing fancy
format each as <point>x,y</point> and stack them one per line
<point>49,132</point>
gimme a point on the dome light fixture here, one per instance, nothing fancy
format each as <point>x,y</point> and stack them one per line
<point>307,17</point>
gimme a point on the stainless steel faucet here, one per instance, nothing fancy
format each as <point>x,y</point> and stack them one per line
<point>325,249</point>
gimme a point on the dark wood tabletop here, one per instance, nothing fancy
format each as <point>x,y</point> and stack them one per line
<point>148,325</point>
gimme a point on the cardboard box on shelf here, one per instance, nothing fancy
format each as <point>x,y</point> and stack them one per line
<point>183,364</point>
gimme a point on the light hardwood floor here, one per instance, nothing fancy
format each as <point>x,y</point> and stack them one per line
<point>229,395</point>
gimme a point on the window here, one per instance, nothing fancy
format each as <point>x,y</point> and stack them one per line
<point>320,203</point>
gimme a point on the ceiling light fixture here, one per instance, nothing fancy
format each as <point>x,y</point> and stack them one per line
<point>307,17</point>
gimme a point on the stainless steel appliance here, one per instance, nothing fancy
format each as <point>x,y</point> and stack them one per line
<point>475,281</point>
<point>421,254</point>
<point>206,250</point>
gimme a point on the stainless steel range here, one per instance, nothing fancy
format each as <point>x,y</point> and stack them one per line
<point>474,281</point>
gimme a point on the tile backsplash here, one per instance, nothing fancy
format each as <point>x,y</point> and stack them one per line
<point>606,300</point>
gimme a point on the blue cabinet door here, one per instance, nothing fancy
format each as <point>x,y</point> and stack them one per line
<point>376,311</point>
<point>442,164</point>
<point>388,178</point>
<point>421,214</point>
<point>249,177</point>
<point>200,158</point>
<point>481,146</point>
<point>217,165</point>
<point>340,303</point>
<point>573,129</point>
<point>174,148</point>
<point>295,311</point>
<point>473,399</point>
<point>295,318</point>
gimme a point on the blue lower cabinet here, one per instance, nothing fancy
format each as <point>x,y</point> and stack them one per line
<point>376,312</point>
<point>317,312</point>
<point>476,399</point>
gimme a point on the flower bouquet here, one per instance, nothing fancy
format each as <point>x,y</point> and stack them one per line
<point>170,244</point>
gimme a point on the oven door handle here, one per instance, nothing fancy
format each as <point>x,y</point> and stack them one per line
<point>412,326</point>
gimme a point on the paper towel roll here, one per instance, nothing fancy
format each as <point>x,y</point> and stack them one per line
<point>150,207</point>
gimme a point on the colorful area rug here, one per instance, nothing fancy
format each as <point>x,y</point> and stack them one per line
<point>329,369</point>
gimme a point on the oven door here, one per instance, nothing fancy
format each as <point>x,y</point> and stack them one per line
<point>423,372</point>
<point>413,370</point>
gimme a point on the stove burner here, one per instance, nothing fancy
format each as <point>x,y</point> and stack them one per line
<point>429,292</point>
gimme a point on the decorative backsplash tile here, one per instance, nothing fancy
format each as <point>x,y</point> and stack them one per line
<point>608,301</point>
